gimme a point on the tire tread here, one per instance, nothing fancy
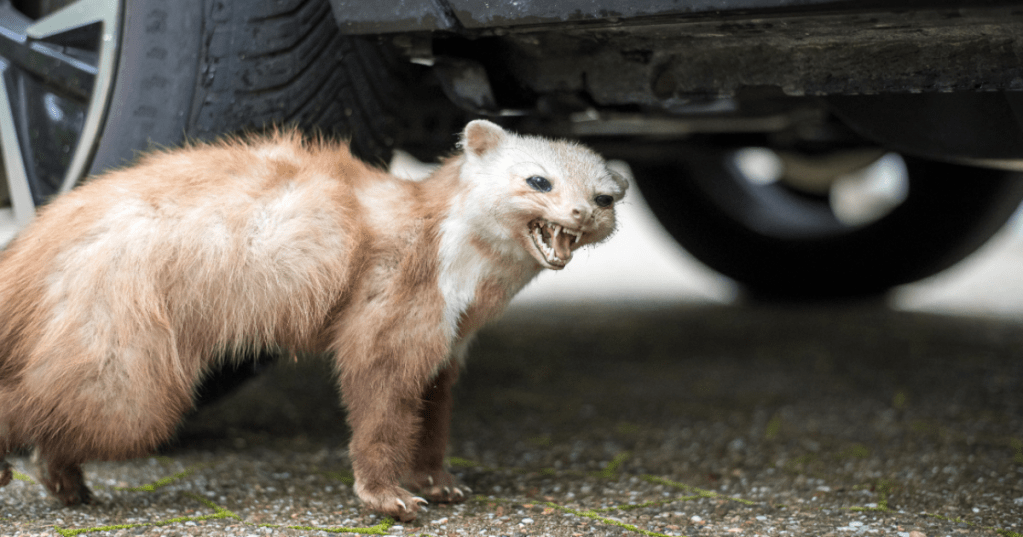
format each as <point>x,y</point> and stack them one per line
<point>285,62</point>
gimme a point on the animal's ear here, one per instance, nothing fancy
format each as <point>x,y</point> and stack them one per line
<point>619,178</point>
<point>480,136</point>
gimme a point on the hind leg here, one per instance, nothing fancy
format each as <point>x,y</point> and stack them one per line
<point>6,473</point>
<point>429,477</point>
<point>62,477</point>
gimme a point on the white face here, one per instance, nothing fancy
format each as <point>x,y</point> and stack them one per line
<point>553,197</point>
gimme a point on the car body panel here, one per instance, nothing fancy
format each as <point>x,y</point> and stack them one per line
<point>356,17</point>
<point>389,16</point>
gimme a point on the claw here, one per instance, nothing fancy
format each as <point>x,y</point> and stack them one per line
<point>447,491</point>
<point>402,504</point>
<point>421,501</point>
<point>459,492</point>
<point>429,480</point>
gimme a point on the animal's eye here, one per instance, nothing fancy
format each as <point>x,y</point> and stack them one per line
<point>539,183</point>
<point>603,200</point>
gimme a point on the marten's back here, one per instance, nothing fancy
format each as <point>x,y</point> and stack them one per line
<point>144,273</point>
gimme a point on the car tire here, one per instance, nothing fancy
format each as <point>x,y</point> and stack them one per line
<point>777,245</point>
<point>196,70</point>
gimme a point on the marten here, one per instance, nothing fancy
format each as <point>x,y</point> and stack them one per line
<point>125,292</point>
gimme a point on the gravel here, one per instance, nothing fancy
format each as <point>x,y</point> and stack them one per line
<point>628,420</point>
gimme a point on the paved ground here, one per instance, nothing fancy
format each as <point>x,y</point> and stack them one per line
<point>588,412</point>
<point>596,420</point>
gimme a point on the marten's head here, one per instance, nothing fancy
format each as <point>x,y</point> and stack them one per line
<point>549,197</point>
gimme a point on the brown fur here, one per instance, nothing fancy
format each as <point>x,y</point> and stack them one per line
<point>122,294</point>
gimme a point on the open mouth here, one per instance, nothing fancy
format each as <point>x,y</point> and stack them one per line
<point>554,241</point>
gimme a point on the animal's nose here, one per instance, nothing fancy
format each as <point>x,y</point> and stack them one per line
<point>581,213</point>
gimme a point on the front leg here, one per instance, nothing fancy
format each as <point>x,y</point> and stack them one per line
<point>428,476</point>
<point>383,412</point>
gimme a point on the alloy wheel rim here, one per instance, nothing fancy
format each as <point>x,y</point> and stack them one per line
<point>56,77</point>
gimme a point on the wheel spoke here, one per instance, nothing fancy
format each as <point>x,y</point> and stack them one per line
<point>56,77</point>
<point>10,147</point>
<point>67,19</point>
<point>75,16</point>
<point>49,62</point>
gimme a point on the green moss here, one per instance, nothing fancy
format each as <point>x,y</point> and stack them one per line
<point>804,459</point>
<point>627,429</point>
<point>594,515</point>
<point>1015,443</point>
<point>343,476</point>
<point>1004,533</point>
<point>653,503</point>
<point>856,451</point>
<point>458,462</point>
<point>612,468</point>
<point>773,428</point>
<point>700,492</point>
<point>218,513</point>
<point>159,482</point>
<point>221,513</point>
<point>884,488</point>
<point>899,400</point>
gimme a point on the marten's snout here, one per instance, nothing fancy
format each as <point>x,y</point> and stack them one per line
<point>582,214</point>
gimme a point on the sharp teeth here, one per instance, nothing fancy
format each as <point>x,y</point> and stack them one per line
<point>546,243</point>
<point>576,235</point>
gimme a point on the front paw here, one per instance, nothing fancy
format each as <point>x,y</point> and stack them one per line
<point>394,502</point>
<point>439,486</point>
